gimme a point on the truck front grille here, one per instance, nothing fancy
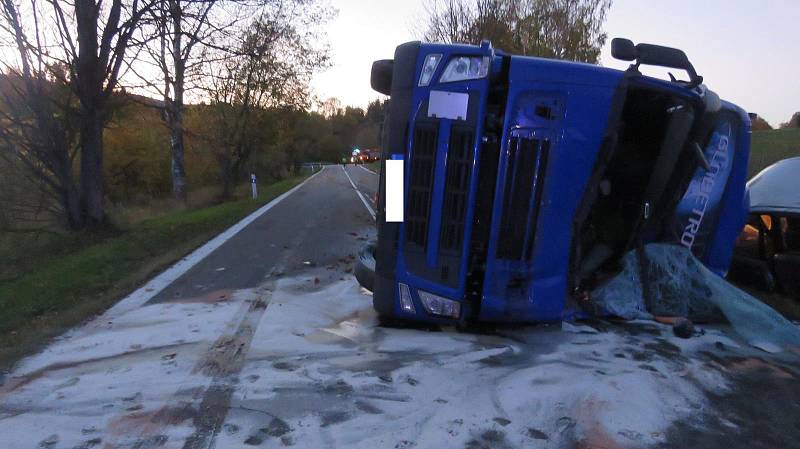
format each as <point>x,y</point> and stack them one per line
<point>420,187</point>
<point>456,189</point>
<point>527,158</point>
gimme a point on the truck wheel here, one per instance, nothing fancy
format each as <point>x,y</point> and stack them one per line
<point>365,266</point>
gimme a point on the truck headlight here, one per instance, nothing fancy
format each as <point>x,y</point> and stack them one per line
<point>428,68</point>
<point>437,305</point>
<point>466,68</point>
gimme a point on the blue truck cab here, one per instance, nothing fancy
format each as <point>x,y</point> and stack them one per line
<point>527,179</point>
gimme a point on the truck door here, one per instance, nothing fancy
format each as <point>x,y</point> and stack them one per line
<point>517,203</point>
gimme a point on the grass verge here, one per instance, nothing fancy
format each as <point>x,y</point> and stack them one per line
<point>86,278</point>
<point>768,147</point>
<point>374,166</point>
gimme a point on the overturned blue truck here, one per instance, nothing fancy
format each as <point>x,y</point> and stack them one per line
<point>526,180</point>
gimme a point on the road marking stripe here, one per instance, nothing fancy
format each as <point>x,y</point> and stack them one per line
<point>369,208</point>
<point>365,168</point>
<point>168,276</point>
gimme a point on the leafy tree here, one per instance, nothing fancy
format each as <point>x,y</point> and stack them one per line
<point>757,123</point>
<point>271,68</point>
<point>563,29</point>
<point>136,153</point>
<point>793,122</point>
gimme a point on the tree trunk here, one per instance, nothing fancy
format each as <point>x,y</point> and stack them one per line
<point>178,167</point>
<point>72,208</point>
<point>176,107</point>
<point>227,178</point>
<point>92,206</point>
<point>227,185</point>
<point>70,197</point>
<point>89,79</point>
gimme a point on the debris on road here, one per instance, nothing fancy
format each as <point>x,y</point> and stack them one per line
<point>668,281</point>
<point>683,328</point>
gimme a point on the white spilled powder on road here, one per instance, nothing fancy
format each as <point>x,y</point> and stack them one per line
<point>150,326</point>
<point>321,374</point>
<point>112,382</point>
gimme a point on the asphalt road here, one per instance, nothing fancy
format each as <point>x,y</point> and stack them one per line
<point>267,341</point>
<point>318,225</point>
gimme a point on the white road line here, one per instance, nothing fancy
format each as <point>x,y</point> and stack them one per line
<point>365,168</point>
<point>158,283</point>
<point>363,200</point>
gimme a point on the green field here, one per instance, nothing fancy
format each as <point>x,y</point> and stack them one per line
<point>768,147</point>
<point>54,282</point>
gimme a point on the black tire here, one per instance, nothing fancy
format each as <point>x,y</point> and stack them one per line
<point>365,266</point>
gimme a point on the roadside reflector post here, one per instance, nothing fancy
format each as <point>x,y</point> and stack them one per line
<point>394,189</point>
<point>253,185</point>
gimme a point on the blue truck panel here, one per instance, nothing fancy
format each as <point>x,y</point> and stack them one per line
<point>526,179</point>
<point>576,136</point>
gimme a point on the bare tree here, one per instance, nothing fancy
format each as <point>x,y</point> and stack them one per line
<point>563,29</point>
<point>184,36</point>
<point>330,107</point>
<point>177,44</point>
<point>38,129</point>
<point>86,41</point>
<point>449,21</point>
<point>102,35</point>
<point>271,67</point>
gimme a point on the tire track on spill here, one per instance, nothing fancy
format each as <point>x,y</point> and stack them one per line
<point>224,363</point>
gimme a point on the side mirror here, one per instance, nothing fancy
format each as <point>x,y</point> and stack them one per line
<point>657,55</point>
<point>623,49</point>
<point>381,77</point>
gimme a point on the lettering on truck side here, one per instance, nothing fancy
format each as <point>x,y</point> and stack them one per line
<point>718,160</point>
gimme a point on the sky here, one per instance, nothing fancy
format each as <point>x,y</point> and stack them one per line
<point>747,51</point>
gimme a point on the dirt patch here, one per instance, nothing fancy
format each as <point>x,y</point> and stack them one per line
<point>209,298</point>
<point>488,439</point>
<point>537,434</point>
